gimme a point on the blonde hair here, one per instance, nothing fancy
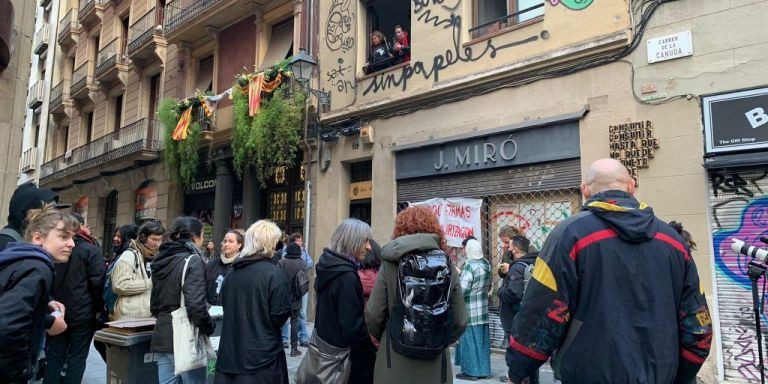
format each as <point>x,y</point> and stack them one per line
<point>47,218</point>
<point>260,239</point>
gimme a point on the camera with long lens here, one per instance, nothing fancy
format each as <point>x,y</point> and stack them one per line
<point>750,250</point>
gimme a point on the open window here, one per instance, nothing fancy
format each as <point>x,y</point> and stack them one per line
<point>280,44</point>
<point>491,16</point>
<point>388,39</point>
<point>204,82</point>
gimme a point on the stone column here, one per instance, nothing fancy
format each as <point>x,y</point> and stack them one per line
<point>252,198</point>
<point>223,204</point>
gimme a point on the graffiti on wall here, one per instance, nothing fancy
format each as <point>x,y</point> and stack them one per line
<point>576,5</point>
<point>739,210</point>
<point>339,34</point>
<point>442,61</point>
<point>535,219</point>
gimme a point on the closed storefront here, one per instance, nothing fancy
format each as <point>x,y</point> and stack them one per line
<point>737,163</point>
<point>527,178</point>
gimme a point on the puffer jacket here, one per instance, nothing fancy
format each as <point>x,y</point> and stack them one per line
<point>132,284</point>
<point>167,268</point>
<point>404,370</point>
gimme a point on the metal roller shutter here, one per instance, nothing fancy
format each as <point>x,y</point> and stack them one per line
<point>532,178</point>
<point>739,208</point>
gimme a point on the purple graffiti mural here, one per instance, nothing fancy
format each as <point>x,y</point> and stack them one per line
<point>753,225</point>
<point>739,340</point>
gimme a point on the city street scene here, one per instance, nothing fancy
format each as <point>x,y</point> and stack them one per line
<point>383,191</point>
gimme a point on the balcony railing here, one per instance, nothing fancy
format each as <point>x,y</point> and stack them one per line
<point>142,31</point>
<point>79,78</point>
<point>66,24</point>
<point>58,94</point>
<point>178,12</point>
<point>41,39</point>
<point>86,6</point>
<point>35,94</point>
<point>107,57</point>
<point>133,138</point>
<point>512,19</point>
<point>28,162</point>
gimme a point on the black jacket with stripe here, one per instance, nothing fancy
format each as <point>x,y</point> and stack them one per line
<point>616,293</point>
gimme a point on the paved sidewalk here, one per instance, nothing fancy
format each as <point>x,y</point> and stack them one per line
<point>96,370</point>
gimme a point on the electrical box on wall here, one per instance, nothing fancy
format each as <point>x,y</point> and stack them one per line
<point>366,134</point>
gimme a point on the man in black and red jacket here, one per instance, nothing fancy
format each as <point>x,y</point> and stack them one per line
<point>615,292</point>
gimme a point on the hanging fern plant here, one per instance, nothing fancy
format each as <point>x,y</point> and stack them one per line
<point>181,157</point>
<point>271,138</point>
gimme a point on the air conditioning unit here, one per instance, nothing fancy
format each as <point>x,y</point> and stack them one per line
<point>366,134</point>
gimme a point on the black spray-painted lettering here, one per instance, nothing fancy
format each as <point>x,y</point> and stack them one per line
<point>452,56</point>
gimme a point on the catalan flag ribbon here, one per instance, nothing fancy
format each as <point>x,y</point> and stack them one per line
<point>182,128</point>
<point>254,94</point>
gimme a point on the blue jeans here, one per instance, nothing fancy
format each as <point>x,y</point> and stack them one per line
<point>303,336</point>
<point>165,369</point>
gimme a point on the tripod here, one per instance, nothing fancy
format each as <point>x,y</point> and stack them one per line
<point>754,272</point>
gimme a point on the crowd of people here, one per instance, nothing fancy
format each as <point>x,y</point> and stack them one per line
<point>613,280</point>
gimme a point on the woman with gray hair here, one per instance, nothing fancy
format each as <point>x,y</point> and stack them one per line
<point>340,317</point>
<point>256,304</point>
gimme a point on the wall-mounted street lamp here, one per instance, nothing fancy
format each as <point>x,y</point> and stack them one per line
<point>302,65</point>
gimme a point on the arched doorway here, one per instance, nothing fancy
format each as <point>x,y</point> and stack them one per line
<point>110,223</point>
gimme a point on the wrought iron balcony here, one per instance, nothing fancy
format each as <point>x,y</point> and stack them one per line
<point>90,10</point>
<point>80,78</point>
<point>41,39</point>
<point>106,62</point>
<point>145,35</point>
<point>134,142</point>
<point>67,25</point>
<point>35,94</point>
<point>59,93</point>
<point>28,162</point>
<point>179,12</point>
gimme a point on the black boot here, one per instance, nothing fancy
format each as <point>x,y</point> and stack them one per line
<point>295,351</point>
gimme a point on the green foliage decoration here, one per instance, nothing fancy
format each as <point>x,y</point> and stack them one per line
<point>271,138</point>
<point>181,158</point>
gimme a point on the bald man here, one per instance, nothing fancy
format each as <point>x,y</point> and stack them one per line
<point>615,292</point>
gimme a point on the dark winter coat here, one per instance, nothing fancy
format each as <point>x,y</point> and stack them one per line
<point>512,287</point>
<point>339,316</point>
<point>379,57</point>
<point>616,291</point>
<point>215,271</point>
<point>27,196</point>
<point>26,277</point>
<point>256,305</point>
<point>167,268</point>
<point>405,370</point>
<point>291,264</point>
<point>79,283</point>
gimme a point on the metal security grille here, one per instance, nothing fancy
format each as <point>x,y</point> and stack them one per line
<point>738,203</point>
<point>534,214</point>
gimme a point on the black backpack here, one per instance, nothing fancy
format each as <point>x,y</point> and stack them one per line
<point>300,283</point>
<point>420,322</point>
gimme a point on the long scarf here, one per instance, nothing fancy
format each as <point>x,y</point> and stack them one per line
<point>148,254</point>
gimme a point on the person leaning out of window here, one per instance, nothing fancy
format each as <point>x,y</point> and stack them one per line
<point>379,54</point>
